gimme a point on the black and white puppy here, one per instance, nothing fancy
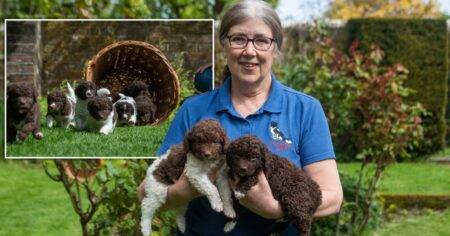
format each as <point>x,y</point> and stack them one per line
<point>61,108</point>
<point>102,115</point>
<point>126,110</point>
<point>83,91</point>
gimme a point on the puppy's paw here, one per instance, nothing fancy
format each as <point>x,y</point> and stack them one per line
<point>229,226</point>
<point>229,212</point>
<point>238,194</point>
<point>218,206</point>
<point>38,135</point>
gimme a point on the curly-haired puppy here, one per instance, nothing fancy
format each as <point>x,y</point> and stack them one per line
<point>126,110</point>
<point>23,112</point>
<point>298,194</point>
<point>61,108</point>
<point>202,150</point>
<point>146,108</point>
<point>84,91</point>
<point>102,115</point>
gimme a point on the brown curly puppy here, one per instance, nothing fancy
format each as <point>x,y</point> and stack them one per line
<point>23,112</point>
<point>298,194</point>
<point>103,115</point>
<point>203,149</point>
<point>61,108</point>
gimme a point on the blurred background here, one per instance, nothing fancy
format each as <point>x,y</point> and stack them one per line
<point>380,69</point>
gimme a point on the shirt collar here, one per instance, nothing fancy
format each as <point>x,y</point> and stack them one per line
<point>273,103</point>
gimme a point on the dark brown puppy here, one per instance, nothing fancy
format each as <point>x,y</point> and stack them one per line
<point>23,112</point>
<point>206,140</point>
<point>85,90</point>
<point>146,108</point>
<point>298,194</point>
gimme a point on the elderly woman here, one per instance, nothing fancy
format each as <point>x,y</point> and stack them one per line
<point>252,101</point>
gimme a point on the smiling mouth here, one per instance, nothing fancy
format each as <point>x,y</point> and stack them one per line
<point>248,65</point>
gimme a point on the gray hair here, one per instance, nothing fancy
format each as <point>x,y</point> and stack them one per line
<point>249,9</point>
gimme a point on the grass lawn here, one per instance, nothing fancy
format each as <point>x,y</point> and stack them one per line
<point>139,141</point>
<point>429,224</point>
<point>32,204</point>
<point>410,178</point>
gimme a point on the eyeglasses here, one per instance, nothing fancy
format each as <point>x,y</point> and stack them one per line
<point>260,43</point>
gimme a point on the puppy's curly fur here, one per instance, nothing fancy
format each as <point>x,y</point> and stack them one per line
<point>298,194</point>
<point>202,149</point>
<point>103,116</point>
<point>23,112</point>
<point>61,108</point>
<point>146,108</point>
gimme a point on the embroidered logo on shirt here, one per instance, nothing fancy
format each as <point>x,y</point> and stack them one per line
<point>279,139</point>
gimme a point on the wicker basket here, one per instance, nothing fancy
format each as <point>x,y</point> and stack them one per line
<point>119,64</point>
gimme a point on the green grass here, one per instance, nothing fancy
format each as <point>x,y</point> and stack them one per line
<point>32,204</point>
<point>410,178</point>
<point>139,141</point>
<point>430,224</point>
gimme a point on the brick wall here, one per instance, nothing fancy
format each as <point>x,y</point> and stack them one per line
<point>64,47</point>
<point>22,49</point>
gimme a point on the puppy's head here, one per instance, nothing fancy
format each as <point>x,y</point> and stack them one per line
<point>137,88</point>
<point>246,156</point>
<point>21,97</point>
<point>206,140</point>
<point>56,101</point>
<point>126,112</point>
<point>85,90</point>
<point>100,107</point>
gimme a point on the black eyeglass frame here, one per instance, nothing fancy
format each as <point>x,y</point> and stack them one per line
<point>248,40</point>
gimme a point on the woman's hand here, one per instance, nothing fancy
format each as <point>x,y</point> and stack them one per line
<point>259,199</point>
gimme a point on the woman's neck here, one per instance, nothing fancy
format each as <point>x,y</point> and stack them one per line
<point>247,98</point>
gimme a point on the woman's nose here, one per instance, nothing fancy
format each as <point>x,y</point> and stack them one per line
<point>250,49</point>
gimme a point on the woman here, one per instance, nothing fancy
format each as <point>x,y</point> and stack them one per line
<point>252,101</point>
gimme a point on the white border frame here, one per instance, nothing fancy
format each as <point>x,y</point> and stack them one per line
<point>94,20</point>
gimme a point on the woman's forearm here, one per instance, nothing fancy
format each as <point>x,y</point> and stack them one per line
<point>331,204</point>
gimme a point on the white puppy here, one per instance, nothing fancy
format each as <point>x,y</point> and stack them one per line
<point>126,110</point>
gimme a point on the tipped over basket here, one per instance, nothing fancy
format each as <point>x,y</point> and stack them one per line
<point>119,64</point>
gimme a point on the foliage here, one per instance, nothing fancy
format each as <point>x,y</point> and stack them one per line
<point>116,9</point>
<point>348,9</point>
<point>364,101</point>
<point>106,201</point>
<point>421,46</point>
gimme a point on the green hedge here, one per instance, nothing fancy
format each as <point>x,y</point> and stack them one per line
<point>421,46</point>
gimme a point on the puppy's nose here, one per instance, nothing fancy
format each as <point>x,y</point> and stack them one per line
<point>207,154</point>
<point>53,105</point>
<point>242,170</point>
<point>89,93</point>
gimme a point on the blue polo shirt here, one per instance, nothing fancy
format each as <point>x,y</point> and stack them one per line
<point>292,125</point>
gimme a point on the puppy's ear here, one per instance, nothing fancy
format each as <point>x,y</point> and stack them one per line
<point>186,142</point>
<point>264,153</point>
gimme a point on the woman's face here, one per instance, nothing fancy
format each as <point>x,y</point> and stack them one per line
<point>249,64</point>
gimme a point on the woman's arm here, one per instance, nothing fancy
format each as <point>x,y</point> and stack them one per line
<point>259,199</point>
<point>325,173</point>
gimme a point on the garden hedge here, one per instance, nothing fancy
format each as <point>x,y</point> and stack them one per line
<point>421,46</point>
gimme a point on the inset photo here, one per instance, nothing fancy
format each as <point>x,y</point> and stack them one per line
<point>95,88</point>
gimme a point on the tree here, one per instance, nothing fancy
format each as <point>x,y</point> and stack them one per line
<point>347,9</point>
<point>166,9</point>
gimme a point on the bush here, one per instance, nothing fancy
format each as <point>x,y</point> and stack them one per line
<point>421,46</point>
